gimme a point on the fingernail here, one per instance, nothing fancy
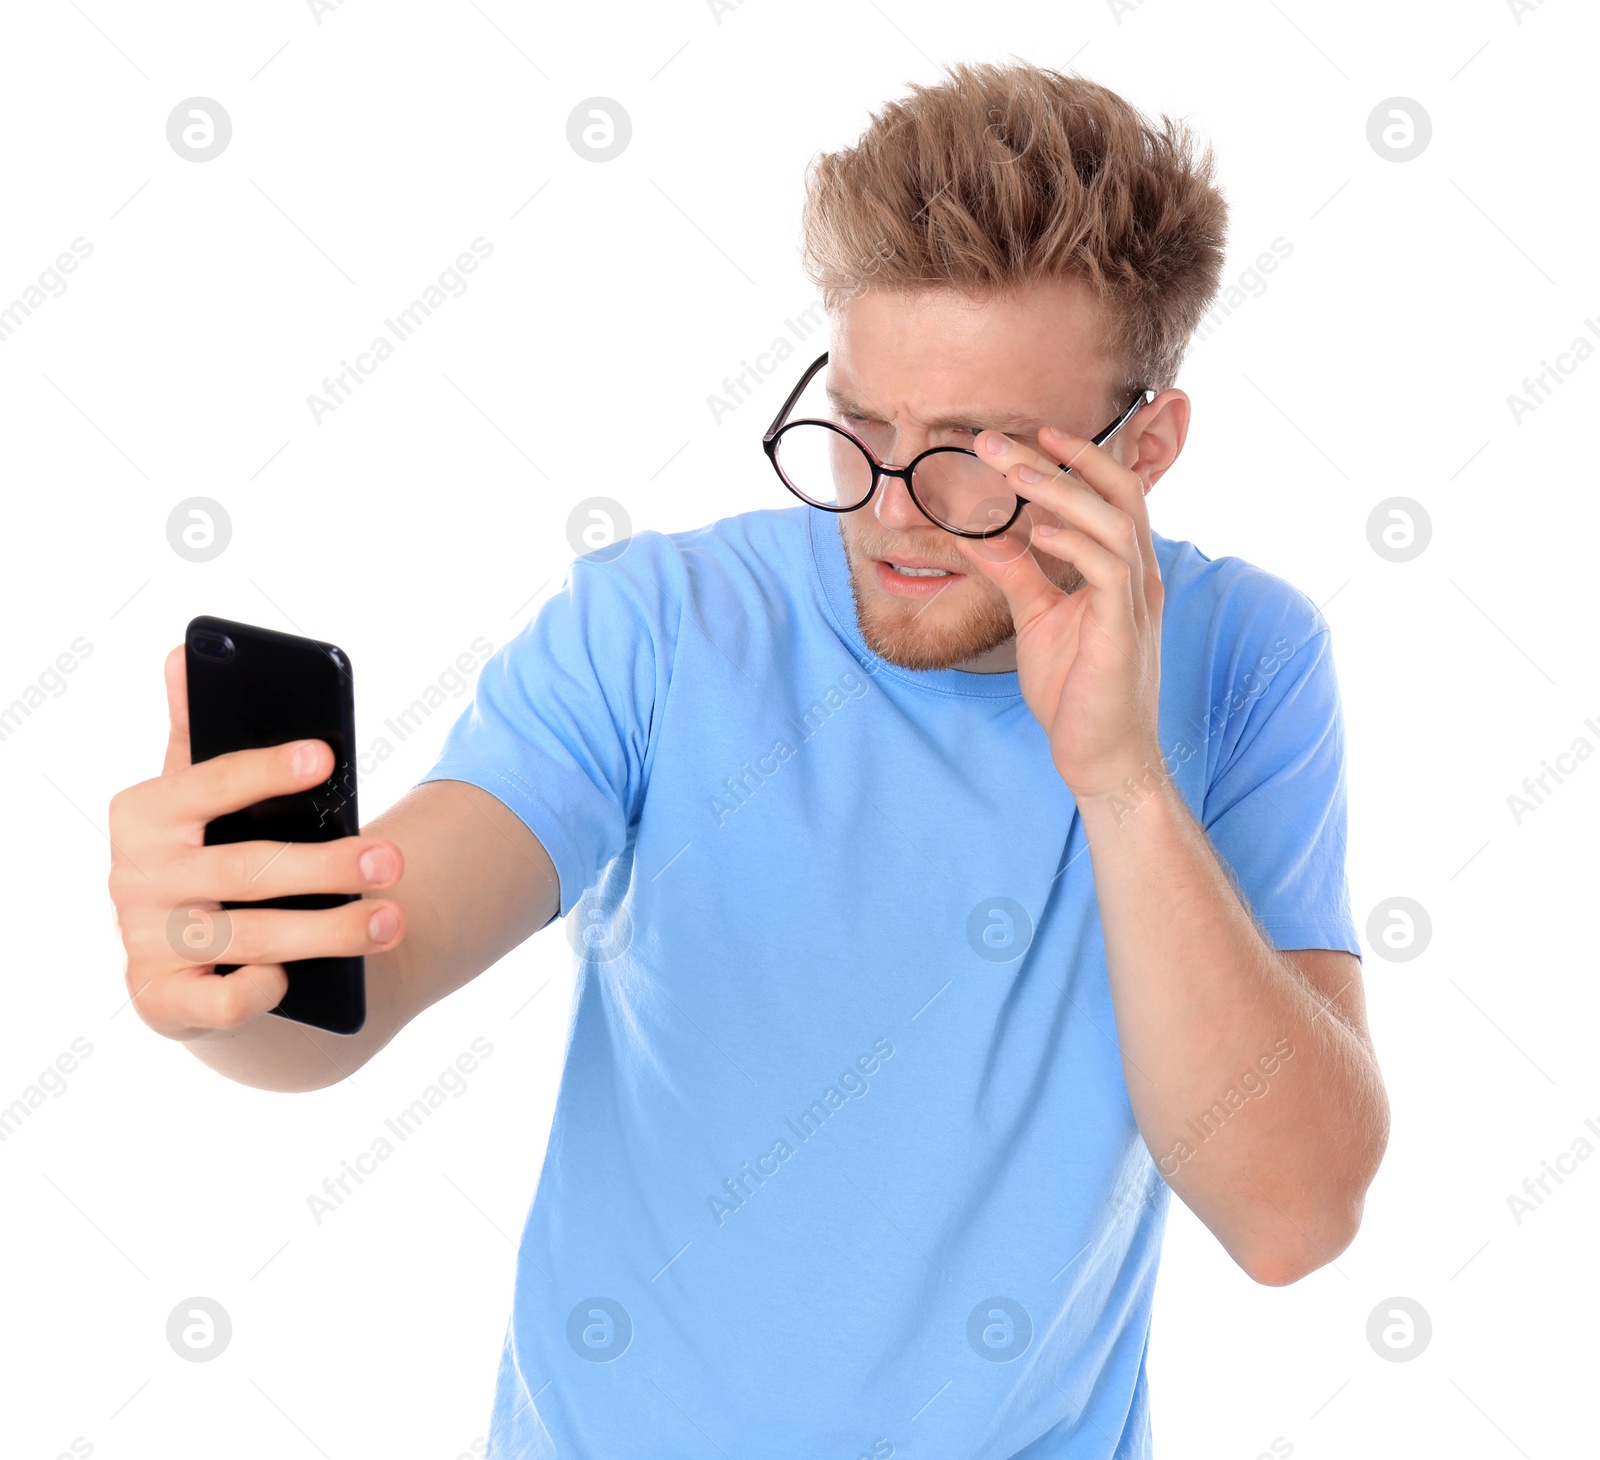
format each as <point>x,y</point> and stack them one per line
<point>304,760</point>
<point>1029,475</point>
<point>377,864</point>
<point>383,925</point>
<point>999,444</point>
<point>1044,529</point>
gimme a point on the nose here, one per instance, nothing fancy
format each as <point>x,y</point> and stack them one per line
<point>893,506</point>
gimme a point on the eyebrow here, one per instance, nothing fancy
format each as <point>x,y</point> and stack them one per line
<point>976,419</point>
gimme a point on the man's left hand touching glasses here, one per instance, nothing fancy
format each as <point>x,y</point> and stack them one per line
<point>1089,660</point>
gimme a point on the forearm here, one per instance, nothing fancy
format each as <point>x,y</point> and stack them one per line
<point>1260,1103</point>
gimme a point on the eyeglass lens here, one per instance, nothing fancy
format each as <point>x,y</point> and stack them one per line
<point>827,468</point>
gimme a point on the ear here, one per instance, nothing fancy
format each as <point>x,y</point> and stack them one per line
<point>1162,430</point>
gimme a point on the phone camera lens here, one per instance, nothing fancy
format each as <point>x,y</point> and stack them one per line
<point>212,646</point>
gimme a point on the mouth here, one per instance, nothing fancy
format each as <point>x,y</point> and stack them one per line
<point>913,577</point>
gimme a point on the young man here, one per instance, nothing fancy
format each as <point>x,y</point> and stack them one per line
<point>959,864</point>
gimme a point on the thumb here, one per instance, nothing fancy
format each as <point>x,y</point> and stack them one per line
<point>177,675</point>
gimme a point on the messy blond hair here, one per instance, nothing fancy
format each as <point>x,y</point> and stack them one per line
<point>1002,176</point>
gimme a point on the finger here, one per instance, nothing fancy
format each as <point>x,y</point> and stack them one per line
<point>1119,484</point>
<point>1013,569</point>
<point>1058,450</point>
<point>176,670</point>
<point>1113,601</point>
<point>1034,476</point>
<point>204,934</point>
<point>190,1000</point>
<point>1108,572</point>
<point>258,870</point>
<point>212,788</point>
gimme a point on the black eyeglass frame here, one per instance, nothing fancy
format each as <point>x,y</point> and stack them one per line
<point>774,433</point>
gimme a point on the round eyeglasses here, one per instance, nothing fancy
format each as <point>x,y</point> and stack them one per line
<point>831,468</point>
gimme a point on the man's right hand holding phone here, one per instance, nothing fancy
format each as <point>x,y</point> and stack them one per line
<point>168,886</point>
<point>476,883</point>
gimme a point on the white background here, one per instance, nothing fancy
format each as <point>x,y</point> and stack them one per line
<point>371,148</point>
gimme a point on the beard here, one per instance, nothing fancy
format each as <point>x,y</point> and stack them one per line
<point>918,636</point>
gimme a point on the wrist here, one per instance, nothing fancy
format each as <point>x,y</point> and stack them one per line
<point>1116,793</point>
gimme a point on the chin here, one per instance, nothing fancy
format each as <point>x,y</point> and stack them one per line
<point>934,636</point>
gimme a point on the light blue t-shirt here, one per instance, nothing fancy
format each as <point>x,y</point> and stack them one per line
<point>843,1163</point>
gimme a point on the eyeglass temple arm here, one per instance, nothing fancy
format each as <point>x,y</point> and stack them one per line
<point>1144,397</point>
<point>794,395</point>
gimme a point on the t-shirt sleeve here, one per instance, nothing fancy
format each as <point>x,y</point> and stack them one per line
<point>1275,808</point>
<point>559,726</point>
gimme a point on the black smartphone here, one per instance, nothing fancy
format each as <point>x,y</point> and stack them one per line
<point>251,687</point>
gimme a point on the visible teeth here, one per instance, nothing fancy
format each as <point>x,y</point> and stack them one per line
<point>920,572</point>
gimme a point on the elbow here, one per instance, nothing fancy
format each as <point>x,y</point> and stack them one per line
<point>1324,1223</point>
<point>1279,1264</point>
<point>1278,1270</point>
